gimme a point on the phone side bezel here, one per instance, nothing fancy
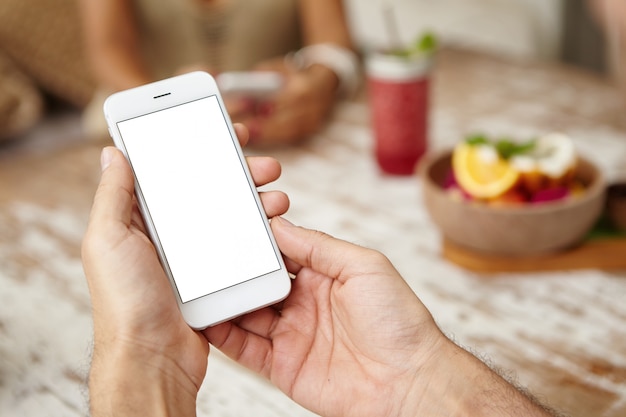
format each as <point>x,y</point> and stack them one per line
<point>250,295</point>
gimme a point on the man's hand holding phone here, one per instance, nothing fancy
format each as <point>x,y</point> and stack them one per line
<point>139,333</point>
<point>146,356</point>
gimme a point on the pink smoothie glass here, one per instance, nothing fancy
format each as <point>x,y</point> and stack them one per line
<point>398,89</point>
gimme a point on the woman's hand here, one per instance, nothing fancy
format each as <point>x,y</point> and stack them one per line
<point>298,110</point>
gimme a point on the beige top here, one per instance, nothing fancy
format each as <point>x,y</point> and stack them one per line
<point>225,34</point>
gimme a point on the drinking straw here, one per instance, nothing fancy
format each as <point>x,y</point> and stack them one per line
<point>391,24</point>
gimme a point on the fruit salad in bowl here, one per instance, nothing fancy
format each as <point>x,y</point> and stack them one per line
<point>513,198</point>
<point>503,172</point>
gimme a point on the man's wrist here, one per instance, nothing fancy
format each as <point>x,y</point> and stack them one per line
<point>127,382</point>
<point>456,383</point>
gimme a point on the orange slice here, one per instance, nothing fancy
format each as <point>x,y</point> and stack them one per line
<point>481,171</point>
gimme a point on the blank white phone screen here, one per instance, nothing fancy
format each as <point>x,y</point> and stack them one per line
<point>198,197</point>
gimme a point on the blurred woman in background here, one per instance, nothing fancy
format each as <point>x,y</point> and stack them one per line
<point>133,42</point>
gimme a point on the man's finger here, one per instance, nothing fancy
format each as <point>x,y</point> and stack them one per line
<point>275,203</point>
<point>323,253</point>
<point>242,133</point>
<point>264,169</point>
<point>113,201</point>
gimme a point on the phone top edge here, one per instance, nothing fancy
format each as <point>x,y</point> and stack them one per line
<point>174,90</point>
<point>167,82</point>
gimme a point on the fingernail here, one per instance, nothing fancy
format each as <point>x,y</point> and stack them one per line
<point>106,157</point>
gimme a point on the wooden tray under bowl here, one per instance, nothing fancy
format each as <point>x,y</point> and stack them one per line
<point>602,249</point>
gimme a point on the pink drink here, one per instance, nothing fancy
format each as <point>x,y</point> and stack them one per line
<point>398,92</point>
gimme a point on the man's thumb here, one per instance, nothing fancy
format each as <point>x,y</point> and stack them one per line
<point>317,250</point>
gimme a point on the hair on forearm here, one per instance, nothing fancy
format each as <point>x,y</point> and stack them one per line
<point>84,372</point>
<point>510,377</point>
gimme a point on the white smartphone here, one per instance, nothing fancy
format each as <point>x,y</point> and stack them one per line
<point>197,198</point>
<point>254,84</point>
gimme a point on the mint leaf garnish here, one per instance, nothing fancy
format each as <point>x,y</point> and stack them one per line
<point>477,140</point>
<point>505,147</point>
<point>424,45</point>
<point>509,149</point>
<point>427,44</point>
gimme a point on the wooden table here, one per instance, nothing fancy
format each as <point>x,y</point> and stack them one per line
<point>560,333</point>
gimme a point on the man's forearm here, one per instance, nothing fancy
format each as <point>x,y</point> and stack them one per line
<point>462,385</point>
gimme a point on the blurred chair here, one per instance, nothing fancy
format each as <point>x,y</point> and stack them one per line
<point>41,56</point>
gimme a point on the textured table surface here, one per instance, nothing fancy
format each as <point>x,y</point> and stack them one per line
<point>561,333</point>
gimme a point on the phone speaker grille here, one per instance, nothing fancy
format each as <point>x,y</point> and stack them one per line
<point>162,95</point>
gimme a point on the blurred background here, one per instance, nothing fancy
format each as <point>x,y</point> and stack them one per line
<point>515,28</point>
<point>545,327</point>
<point>41,55</point>
<point>555,30</point>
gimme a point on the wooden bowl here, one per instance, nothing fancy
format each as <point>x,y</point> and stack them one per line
<point>522,230</point>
